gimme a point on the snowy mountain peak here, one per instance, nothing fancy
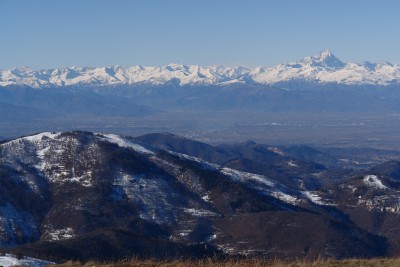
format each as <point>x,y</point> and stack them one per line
<point>326,53</point>
<point>324,59</point>
<point>322,68</point>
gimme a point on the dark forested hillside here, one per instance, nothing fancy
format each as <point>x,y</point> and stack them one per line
<point>80,195</point>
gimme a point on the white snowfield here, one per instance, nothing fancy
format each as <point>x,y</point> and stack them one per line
<point>123,142</point>
<point>9,260</point>
<point>322,68</point>
<point>374,182</point>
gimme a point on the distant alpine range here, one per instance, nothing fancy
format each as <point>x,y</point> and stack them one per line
<point>323,68</point>
<point>123,98</point>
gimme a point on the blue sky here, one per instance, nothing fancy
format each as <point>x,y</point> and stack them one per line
<point>55,33</point>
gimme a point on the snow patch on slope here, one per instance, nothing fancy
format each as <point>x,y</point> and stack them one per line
<point>61,234</point>
<point>123,142</point>
<point>38,137</point>
<point>53,155</point>
<point>292,164</point>
<point>315,198</point>
<point>9,260</point>
<point>205,164</point>
<point>246,176</point>
<point>285,197</point>
<point>263,184</point>
<point>199,212</point>
<point>154,198</point>
<point>374,182</point>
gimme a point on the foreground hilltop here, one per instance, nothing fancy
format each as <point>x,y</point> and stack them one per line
<point>82,195</point>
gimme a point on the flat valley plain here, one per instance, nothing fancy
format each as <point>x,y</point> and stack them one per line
<point>324,129</point>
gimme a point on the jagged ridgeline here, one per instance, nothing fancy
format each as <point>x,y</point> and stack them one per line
<point>318,83</point>
<point>322,68</point>
<point>82,195</point>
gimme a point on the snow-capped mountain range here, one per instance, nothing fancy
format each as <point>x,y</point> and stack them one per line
<point>322,68</point>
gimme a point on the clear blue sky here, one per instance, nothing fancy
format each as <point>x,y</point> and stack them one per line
<point>54,33</point>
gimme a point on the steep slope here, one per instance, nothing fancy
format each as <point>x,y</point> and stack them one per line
<point>187,146</point>
<point>248,157</point>
<point>79,195</point>
<point>371,199</point>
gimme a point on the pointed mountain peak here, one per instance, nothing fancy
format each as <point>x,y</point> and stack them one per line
<point>175,66</point>
<point>325,54</point>
<point>325,59</point>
